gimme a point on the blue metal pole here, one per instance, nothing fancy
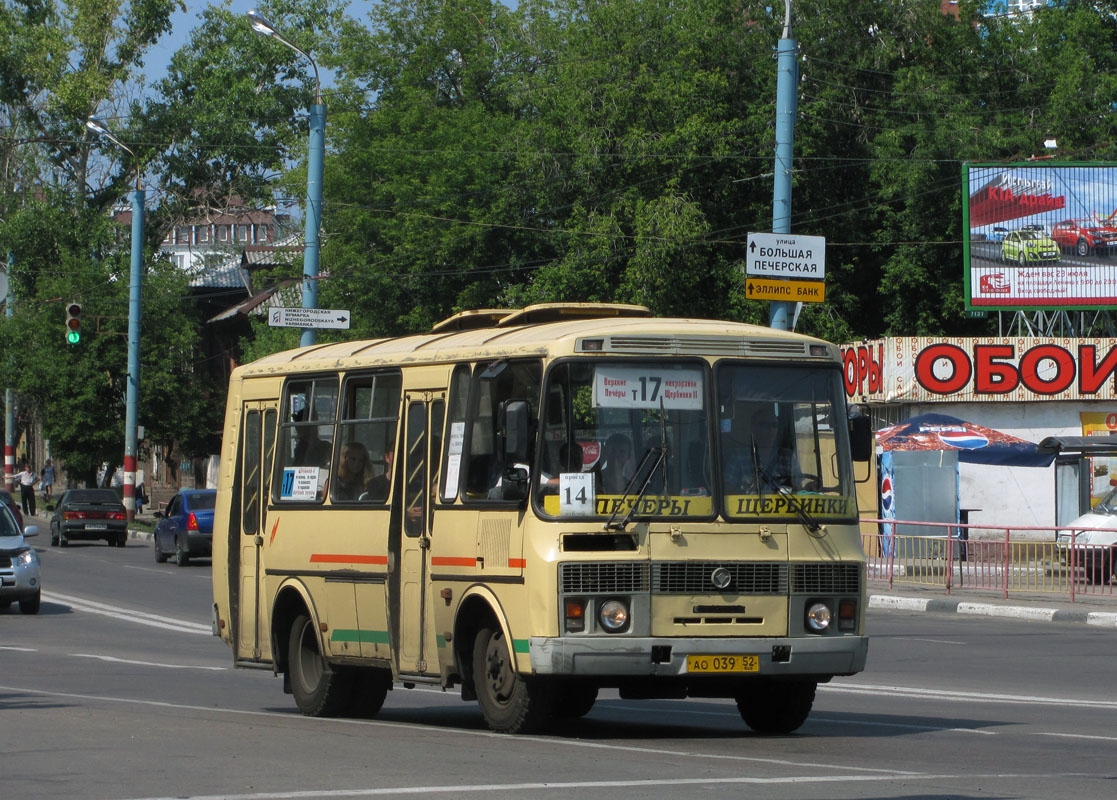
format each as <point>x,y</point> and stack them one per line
<point>787,102</point>
<point>133,386</point>
<point>10,405</point>
<point>313,213</point>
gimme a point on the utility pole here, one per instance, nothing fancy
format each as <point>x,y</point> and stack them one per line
<point>787,103</point>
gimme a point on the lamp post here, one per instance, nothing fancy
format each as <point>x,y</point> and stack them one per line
<point>787,80</point>
<point>134,284</point>
<point>315,157</point>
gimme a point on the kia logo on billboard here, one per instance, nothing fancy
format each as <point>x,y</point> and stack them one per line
<point>996,283</point>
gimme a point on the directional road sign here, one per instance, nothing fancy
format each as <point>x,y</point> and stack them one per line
<point>789,291</point>
<point>786,255</point>
<point>308,318</point>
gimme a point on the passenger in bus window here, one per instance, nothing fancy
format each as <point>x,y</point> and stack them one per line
<point>618,464</point>
<point>354,473</point>
<point>310,450</point>
<point>377,491</point>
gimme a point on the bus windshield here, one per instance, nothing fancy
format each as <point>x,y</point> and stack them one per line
<point>632,440</point>
<point>626,439</point>
<point>783,443</point>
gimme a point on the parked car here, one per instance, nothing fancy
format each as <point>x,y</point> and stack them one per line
<point>998,234</point>
<point>7,499</point>
<point>19,565</point>
<point>1094,550</point>
<point>1083,237</point>
<point>1029,247</point>
<point>185,529</point>
<point>89,514</point>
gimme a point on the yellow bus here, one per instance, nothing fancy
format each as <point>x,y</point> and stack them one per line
<point>536,504</point>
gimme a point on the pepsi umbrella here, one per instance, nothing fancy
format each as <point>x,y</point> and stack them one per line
<point>975,444</point>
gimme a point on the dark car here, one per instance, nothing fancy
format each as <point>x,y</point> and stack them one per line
<point>185,529</point>
<point>7,499</point>
<point>89,514</point>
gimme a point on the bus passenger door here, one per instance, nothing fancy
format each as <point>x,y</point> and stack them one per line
<point>257,448</point>
<point>422,432</point>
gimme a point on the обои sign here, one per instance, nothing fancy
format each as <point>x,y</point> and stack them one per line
<point>915,369</point>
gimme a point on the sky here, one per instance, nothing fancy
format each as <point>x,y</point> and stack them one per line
<point>184,22</point>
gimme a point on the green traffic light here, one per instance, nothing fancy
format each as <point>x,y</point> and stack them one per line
<point>73,337</point>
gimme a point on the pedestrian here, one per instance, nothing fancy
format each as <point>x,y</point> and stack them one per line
<point>27,480</point>
<point>141,498</point>
<point>48,480</point>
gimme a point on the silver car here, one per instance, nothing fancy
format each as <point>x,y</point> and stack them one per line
<point>19,565</point>
<point>1094,539</point>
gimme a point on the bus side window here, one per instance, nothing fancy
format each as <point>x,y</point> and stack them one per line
<point>366,435</point>
<point>494,385</point>
<point>306,439</point>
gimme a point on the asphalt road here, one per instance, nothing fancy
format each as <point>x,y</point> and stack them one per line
<point>118,690</point>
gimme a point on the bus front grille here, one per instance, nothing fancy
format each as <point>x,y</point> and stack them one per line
<point>603,577</point>
<point>826,579</point>
<point>704,577</point>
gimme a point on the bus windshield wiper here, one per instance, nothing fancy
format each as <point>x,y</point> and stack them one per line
<point>655,455</point>
<point>782,489</point>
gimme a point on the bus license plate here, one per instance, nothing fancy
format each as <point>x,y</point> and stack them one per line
<point>722,664</point>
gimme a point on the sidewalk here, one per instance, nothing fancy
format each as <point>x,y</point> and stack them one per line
<point>1099,610</point>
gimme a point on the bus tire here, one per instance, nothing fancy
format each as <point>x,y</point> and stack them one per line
<point>510,703</point>
<point>573,700</point>
<point>775,707</point>
<point>319,690</point>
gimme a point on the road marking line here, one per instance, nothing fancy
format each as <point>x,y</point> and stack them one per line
<point>140,617</point>
<point>569,785</point>
<point>294,718</point>
<point>1076,736</point>
<point>145,663</point>
<point>963,697</point>
<point>19,649</point>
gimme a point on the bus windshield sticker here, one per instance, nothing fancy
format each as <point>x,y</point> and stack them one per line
<point>300,483</point>
<point>454,457</point>
<point>647,387</point>
<point>576,494</point>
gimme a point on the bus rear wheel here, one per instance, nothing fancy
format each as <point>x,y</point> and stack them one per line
<point>773,707</point>
<point>319,690</point>
<point>510,703</point>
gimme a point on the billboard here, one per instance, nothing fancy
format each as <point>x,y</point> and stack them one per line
<point>1040,235</point>
<point>921,369</point>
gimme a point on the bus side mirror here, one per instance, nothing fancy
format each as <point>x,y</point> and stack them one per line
<point>517,432</point>
<point>861,438</point>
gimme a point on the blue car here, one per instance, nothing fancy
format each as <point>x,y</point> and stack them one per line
<point>185,529</point>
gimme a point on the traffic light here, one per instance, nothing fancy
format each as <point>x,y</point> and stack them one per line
<point>73,323</point>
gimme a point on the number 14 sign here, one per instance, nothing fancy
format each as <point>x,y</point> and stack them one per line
<point>576,497</point>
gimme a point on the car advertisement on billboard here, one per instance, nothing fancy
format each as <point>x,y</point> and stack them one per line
<point>1040,235</point>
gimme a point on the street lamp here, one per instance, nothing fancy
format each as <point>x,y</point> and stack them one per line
<point>133,385</point>
<point>313,176</point>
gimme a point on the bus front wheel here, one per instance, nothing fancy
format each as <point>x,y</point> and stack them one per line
<point>774,707</point>
<point>319,690</point>
<point>509,702</point>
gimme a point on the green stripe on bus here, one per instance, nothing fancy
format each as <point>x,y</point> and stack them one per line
<point>520,645</point>
<point>440,640</point>
<point>364,637</point>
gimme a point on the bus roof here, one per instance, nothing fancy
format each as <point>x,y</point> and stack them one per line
<point>552,329</point>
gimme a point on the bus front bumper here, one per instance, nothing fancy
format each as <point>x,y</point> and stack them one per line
<point>617,656</point>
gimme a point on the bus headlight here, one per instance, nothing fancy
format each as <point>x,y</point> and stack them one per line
<point>613,615</point>
<point>818,617</point>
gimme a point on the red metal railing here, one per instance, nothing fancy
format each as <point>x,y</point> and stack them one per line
<point>1002,559</point>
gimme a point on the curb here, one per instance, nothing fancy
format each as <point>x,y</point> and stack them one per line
<point>1105,619</point>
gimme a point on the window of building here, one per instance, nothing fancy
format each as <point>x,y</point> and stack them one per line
<point>262,233</point>
<point>203,234</point>
<point>242,233</point>
<point>222,233</point>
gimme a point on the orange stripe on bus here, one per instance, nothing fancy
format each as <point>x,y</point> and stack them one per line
<point>450,561</point>
<point>274,528</point>
<point>345,558</point>
<point>517,562</point>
